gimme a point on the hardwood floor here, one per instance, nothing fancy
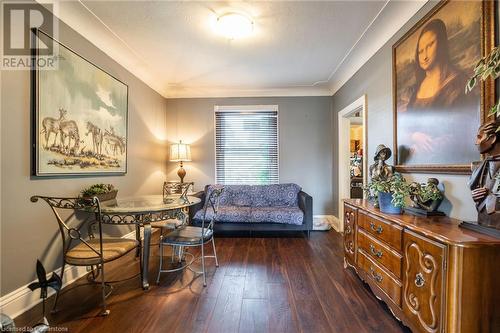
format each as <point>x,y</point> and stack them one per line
<point>262,285</point>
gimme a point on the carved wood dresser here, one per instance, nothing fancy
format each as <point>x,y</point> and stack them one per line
<point>433,275</point>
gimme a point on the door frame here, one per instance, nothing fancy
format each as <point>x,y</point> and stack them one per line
<point>344,149</point>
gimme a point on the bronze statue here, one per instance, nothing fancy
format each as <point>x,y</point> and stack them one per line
<point>426,198</point>
<point>485,179</point>
<point>380,170</point>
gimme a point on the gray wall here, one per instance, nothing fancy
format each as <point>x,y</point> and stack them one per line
<point>375,80</point>
<point>28,230</point>
<point>305,141</point>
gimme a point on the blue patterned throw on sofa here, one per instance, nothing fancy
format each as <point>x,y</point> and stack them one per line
<point>277,203</point>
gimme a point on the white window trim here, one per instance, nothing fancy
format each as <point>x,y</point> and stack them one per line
<point>249,108</point>
<point>239,108</point>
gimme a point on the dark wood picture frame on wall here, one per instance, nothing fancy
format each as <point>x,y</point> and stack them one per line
<point>435,125</point>
<point>79,120</point>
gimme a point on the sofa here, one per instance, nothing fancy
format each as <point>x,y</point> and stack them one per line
<point>277,207</point>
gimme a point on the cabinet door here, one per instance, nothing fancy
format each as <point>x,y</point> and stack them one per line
<point>349,233</point>
<point>423,281</point>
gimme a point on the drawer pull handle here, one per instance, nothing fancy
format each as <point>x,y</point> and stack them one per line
<point>376,253</point>
<point>348,230</point>
<point>378,229</point>
<point>419,280</point>
<point>375,276</point>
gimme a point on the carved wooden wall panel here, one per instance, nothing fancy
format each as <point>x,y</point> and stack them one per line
<point>423,283</point>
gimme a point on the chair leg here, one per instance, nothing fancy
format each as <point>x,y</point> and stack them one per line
<point>174,251</point>
<point>138,238</point>
<point>203,264</point>
<point>215,253</point>
<point>54,308</point>
<point>104,311</point>
<point>181,253</point>
<point>140,266</point>
<point>161,260</point>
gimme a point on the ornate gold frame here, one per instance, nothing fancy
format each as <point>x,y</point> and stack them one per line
<point>488,91</point>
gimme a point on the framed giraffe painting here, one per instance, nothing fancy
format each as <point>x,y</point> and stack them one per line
<point>80,115</point>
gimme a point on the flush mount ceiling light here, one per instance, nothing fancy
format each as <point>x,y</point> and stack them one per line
<point>234,25</point>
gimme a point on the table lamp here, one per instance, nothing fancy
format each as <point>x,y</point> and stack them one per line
<point>180,152</point>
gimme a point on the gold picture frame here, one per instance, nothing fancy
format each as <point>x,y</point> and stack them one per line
<point>469,34</point>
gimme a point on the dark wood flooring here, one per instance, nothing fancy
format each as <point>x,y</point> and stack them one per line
<point>263,284</point>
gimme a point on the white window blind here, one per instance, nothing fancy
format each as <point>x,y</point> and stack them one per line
<point>246,140</point>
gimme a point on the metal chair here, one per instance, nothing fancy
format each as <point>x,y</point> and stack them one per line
<point>171,189</point>
<point>192,236</point>
<point>86,251</point>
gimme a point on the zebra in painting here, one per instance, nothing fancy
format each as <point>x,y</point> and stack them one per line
<point>97,137</point>
<point>69,130</point>
<point>52,125</point>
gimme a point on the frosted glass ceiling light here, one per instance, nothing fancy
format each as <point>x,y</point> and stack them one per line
<point>234,25</point>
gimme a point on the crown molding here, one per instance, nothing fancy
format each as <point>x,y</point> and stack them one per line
<point>221,92</point>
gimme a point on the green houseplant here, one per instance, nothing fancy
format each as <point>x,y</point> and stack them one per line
<point>391,193</point>
<point>486,68</point>
<point>102,191</point>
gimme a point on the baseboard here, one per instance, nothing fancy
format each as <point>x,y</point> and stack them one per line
<point>336,224</point>
<point>329,219</point>
<point>22,299</point>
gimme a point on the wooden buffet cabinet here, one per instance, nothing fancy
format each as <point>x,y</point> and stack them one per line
<point>433,275</point>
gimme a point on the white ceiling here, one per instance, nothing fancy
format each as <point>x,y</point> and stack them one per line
<point>299,48</point>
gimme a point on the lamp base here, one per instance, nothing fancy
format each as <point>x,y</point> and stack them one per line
<point>181,172</point>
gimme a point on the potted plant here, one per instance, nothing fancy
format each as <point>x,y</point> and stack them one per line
<point>391,193</point>
<point>486,68</point>
<point>103,192</point>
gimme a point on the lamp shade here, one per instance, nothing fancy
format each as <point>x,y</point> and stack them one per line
<point>180,152</point>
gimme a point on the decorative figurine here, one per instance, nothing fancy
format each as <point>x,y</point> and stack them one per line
<point>54,282</point>
<point>380,170</point>
<point>485,181</point>
<point>426,198</point>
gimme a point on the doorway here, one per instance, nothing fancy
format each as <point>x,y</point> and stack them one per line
<point>352,140</point>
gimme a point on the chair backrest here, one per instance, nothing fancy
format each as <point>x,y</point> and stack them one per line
<point>170,188</point>
<point>70,234</point>
<point>211,205</point>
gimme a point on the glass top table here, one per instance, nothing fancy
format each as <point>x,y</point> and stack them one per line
<point>146,203</point>
<point>141,211</point>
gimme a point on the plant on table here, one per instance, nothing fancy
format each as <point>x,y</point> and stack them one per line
<point>97,189</point>
<point>395,185</point>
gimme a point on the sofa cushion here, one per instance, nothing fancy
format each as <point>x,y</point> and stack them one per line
<point>277,195</point>
<point>226,214</point>
<point>285,215</point>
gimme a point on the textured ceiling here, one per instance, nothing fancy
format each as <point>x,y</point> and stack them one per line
<point>297,49</point>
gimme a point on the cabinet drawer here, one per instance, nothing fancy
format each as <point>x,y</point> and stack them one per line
<point>380,252</point>
<point>381,229</point>
<point>380,276</point>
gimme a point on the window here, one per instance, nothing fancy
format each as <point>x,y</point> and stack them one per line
<point>246,144</point>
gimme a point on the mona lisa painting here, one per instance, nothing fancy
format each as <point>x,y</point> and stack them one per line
<point>435,120</point>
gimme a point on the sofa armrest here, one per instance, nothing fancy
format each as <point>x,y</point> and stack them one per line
<point>194,208</point>
<point>306,205</point>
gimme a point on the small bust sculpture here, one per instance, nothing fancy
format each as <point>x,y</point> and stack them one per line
<point>427,196</point>
<point>484,181</point>
<point>380,170</point>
